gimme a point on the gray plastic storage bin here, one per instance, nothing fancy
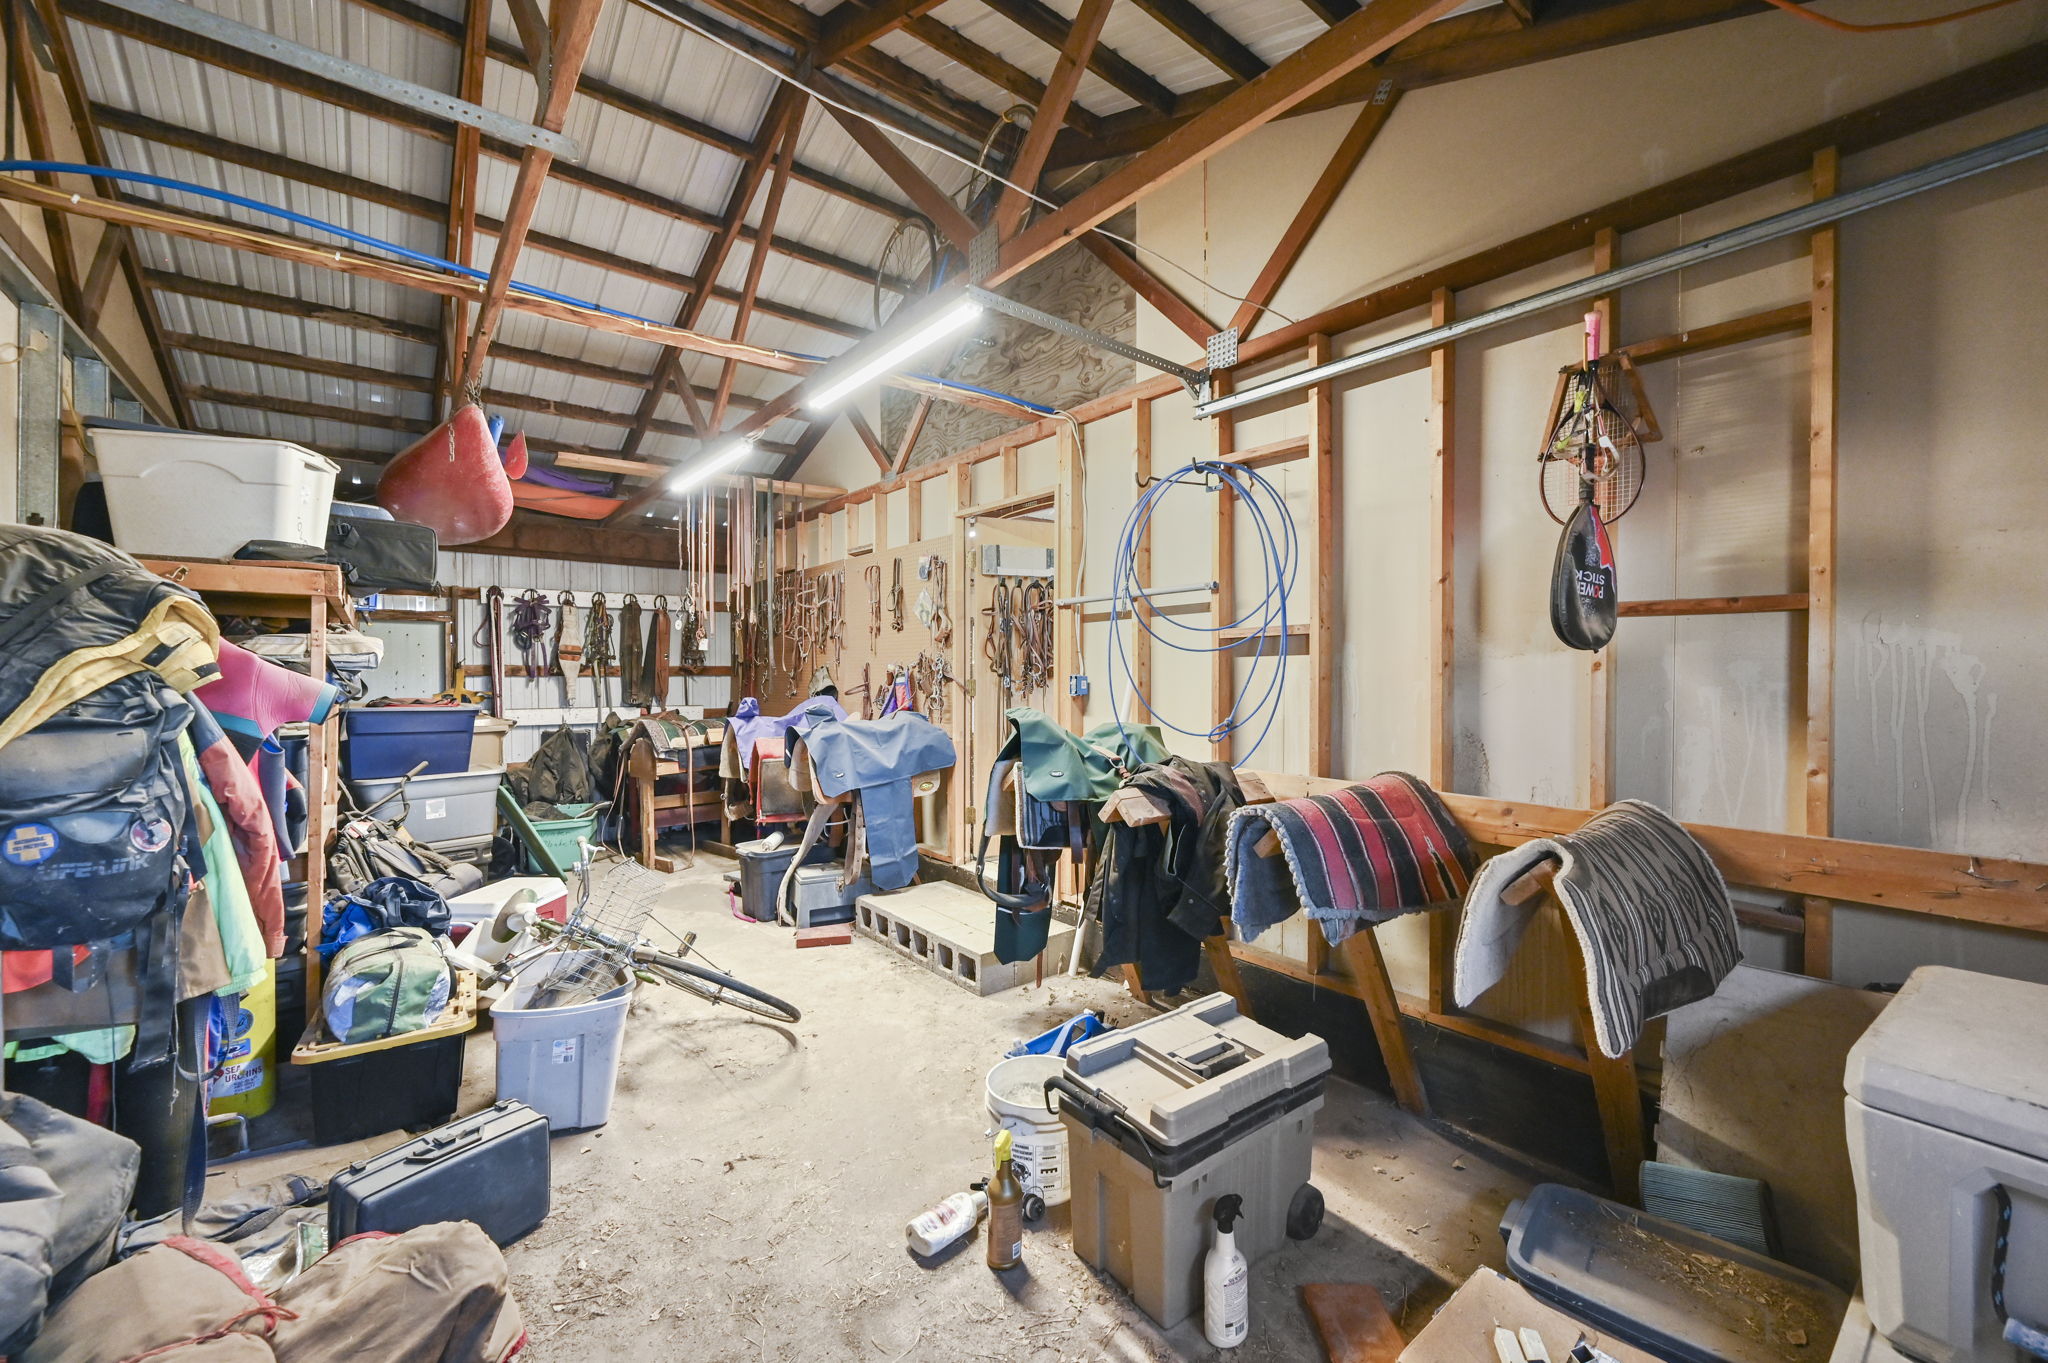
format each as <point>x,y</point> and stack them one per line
<point>1164,1117</point>
<point>761,872</point>
<point>459,807</point>
<point>1947,1106</point>
<point>1666,1288</point>
<point>561,1062</point>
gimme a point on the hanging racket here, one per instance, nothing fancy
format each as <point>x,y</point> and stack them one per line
<point>1599,421</point>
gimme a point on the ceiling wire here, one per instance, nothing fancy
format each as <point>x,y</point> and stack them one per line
<point>890,130</point>
<point>1843,26</point>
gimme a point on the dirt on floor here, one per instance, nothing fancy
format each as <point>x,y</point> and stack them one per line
<point>747,1198</point>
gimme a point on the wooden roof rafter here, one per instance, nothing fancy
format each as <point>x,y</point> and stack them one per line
<point>771,209</point>
<point>785,106</point>
<point>460,244</point>
<point>1083,39</point>
<point>570,27</point>
<point>1050,27</point>
<point>1321,198</point>
<point>388,196</point>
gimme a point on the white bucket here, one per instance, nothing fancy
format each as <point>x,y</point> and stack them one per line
<point>1038,1140</point>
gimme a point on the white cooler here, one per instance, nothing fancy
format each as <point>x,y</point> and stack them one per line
<point>1947,1106</point>
<point>205,496</point>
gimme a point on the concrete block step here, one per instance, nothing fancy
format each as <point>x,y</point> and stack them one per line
<point>951,931</point>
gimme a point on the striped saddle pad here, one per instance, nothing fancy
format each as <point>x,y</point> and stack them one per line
<point>1355,857</point>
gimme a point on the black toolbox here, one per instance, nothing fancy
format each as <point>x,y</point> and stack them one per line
<point>490,1168</point>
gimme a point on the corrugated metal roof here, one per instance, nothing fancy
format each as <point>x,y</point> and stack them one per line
<point>626,256</point>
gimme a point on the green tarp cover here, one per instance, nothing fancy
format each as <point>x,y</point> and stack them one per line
<point>1059,766</point>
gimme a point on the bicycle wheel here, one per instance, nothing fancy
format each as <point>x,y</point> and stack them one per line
<point>714,987</point>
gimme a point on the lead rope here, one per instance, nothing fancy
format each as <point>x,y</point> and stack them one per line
<point>531,614</point>
<point>656,684</point>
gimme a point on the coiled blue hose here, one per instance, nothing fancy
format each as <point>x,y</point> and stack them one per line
<point>1279,553</point>
<point>406,253</point>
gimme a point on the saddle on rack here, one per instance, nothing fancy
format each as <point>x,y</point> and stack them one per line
<point>743,771</point>
<point>1042,791</point>
<point>874,770</point>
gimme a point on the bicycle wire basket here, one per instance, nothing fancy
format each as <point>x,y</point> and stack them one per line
<point>599,938</point>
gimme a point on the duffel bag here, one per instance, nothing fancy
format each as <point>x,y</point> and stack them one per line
<point>386,984</point>
<point>385,556</point>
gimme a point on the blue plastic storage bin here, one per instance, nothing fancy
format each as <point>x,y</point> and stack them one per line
<point>390,740</point>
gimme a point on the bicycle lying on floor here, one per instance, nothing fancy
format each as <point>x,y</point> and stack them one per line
<point>603,942</point>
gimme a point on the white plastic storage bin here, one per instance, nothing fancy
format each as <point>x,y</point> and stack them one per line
<point>561,1062</point>
<point>205,496</point>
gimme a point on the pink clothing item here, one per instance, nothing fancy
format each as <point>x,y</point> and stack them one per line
<point>254,696</point>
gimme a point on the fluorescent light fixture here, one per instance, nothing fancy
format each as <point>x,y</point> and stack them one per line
<point>955,318</point>
<point>710,464</point>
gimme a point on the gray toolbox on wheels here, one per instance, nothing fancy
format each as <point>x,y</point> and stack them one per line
<point>1168,1115</point>
<point>490,1168</point>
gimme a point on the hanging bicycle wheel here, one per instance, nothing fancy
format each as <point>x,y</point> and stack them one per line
<point>714,987</point>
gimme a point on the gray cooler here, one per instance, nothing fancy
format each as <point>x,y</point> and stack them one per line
<point>1948,1126</point>
<point>1168,1115</point>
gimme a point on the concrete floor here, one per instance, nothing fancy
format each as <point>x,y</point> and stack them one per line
<point>747,1199</point>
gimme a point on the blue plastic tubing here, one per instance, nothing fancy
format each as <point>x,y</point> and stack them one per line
<point>1257,701</point>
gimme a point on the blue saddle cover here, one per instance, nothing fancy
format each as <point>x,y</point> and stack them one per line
<point>878,758</point>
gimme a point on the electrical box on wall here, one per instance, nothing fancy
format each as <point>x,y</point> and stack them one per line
<point>1015,560</point>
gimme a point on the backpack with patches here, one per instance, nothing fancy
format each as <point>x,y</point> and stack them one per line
<point>93,811</point>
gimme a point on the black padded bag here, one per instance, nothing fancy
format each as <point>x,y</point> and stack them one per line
<point>1582,596</point>
<point>384,556</point>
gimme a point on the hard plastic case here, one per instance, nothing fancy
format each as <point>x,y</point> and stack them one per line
<point>490,1168</point>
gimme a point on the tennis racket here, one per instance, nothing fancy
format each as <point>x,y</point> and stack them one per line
<point>1593,442</point>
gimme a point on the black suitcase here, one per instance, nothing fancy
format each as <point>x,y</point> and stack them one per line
<point>384,556</point>
<point>490,1168</point>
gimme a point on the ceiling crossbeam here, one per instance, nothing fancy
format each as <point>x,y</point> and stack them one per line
<point>1322,196</point>
<point>784,106</point>
<point>1082,40</point>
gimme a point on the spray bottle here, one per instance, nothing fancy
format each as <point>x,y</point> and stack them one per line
<point>1226,1287</point>
<point>932,1230</point>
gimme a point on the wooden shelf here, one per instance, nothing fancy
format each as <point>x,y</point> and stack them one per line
<point>245,587</point>
<point>1716,605</point>
<point>317,594</point>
